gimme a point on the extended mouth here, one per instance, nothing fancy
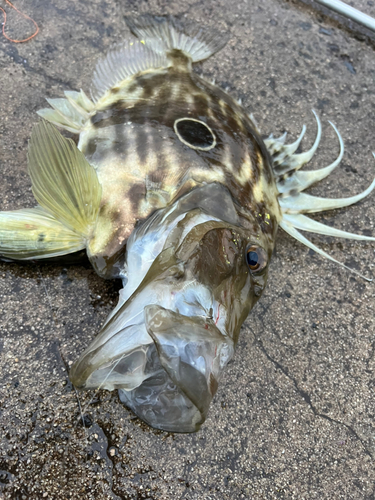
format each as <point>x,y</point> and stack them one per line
<point>168,382</point>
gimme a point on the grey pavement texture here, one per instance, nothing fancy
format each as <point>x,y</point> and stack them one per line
<point>294,414</point>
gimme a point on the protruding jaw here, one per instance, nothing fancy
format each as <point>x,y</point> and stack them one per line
<point>176,325</point>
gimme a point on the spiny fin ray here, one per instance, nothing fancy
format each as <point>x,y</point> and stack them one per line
<point>305,203</point>
<point>296,161</point>
<point>196,43</point>
<point>290,229</point>
<point>299,181</point>
<point>306,224</point>
<point>274,144</point>
<point>291,182</point>
<point>289,149</point>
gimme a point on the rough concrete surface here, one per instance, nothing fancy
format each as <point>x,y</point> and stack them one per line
<point>294,414</point>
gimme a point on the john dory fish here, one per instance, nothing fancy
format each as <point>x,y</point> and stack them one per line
<point>172,189</point>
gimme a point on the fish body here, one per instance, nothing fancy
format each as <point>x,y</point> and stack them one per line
<point>172,189</point>
<point>177,131</point>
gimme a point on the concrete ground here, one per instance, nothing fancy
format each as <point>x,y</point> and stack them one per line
<point>294,414</point>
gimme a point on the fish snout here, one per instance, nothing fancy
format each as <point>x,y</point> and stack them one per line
<point>192,354</point>
<point>166,367</point>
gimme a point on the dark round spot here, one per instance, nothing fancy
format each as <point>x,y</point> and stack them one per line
<point>256,258</point>
<point>194,134</point>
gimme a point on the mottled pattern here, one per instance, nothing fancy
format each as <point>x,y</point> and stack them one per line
<point>142,165</point>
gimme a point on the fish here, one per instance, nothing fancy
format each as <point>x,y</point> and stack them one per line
<point>170,187</point>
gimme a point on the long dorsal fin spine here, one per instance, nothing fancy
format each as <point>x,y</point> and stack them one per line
<point>293,202</point>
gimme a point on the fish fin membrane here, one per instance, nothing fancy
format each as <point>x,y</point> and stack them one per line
<point>33,233</point>
<point>63,182</point>
<point>71,113</point>
<point>123,60</point>
<point>198,44</point>
<point>291,182</point>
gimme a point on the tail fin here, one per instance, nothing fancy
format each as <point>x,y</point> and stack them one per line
<point>33,233</point>
<point>165,34</point>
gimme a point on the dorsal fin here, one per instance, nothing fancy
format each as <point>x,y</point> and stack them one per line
<point>195,42</point>
<point>124,60</point>
<point>293,202</point>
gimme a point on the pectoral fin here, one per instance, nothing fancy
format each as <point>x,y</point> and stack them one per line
<point>63,182</point>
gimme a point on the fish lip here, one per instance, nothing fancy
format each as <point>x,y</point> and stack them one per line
<point>189,355</point>
<point>106,356</point>
<point>193,353</point>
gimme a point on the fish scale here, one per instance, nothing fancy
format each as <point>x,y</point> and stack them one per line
<point>173,190</point>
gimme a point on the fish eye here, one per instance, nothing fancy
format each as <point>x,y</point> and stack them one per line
<point>256,258</point>
<point>195,134</point>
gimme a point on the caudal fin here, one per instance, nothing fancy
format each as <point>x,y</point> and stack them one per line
<point>33,233</point>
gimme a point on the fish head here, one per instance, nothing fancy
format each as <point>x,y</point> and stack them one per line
<point>177,322</point>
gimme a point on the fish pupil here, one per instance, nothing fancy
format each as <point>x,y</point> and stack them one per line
<point>252,259</point>
<point>195,133</point>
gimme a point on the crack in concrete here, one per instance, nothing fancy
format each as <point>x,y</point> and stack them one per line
<point>109,459</point>
<point>371,355</point>
<point>305,396</point>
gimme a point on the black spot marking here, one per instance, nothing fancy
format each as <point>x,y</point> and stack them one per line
<point>41,237</point>
<point>194,133</point>
<point>90,148</point>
